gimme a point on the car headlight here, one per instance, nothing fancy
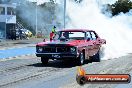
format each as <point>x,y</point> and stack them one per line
<point>40,49</point>
<point>73,49</point>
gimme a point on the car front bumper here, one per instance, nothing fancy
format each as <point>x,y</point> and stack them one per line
<point>57,55</point>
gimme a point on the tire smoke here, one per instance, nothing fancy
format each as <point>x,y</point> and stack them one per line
<point>116,30</point>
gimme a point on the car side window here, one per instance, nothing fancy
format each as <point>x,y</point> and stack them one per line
<point>93,36</point>
<point>89,36</point>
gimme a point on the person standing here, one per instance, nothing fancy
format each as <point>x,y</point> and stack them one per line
<point>20,34</point>
<point>11,34</point>
<point>14,34</point>
<point>53,33</point>
<point>54,29</point>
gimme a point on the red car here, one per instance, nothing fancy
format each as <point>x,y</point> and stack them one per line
<point>71,44</point>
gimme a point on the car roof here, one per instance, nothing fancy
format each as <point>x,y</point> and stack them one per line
<point>76,30</point>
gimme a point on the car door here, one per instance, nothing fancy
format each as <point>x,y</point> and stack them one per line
<point>96,46</point>
<point>90,45</point>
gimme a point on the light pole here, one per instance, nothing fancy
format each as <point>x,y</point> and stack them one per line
<point>64,13</point>
<point>36,19</point>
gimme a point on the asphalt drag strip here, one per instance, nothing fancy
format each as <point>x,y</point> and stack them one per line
<point>28,72</point>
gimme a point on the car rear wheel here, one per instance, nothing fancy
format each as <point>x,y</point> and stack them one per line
<point>96,57</point>
<point>44,60</point>
<point>80,60</point>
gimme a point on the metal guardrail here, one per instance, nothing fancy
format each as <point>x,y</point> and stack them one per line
<point>19,25</point>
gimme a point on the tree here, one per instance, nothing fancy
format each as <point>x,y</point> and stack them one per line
<point>120,6</point>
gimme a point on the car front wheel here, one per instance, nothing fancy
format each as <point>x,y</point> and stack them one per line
<point>44,60</point>
<point>96,57</point>
<point>80,60</point>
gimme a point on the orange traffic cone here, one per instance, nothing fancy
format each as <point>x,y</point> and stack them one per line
<point>81,71</point>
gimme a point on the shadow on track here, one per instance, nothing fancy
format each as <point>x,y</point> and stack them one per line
<point>57,64</point>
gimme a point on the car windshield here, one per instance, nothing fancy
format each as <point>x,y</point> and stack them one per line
<point>70,35</point>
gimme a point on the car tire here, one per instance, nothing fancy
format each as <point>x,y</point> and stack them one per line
<point>80,60</point>
<point>44,60</point>
<point>96,57</point>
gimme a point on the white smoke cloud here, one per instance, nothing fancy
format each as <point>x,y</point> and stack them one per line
<point>30,12</point>
<point>107,1</point>
<point>116,30</point>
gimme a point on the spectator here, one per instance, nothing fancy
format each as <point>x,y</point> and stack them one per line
<point>20,33</point>
<point>54,29</point>
<point>14,34</point>
<point>53,33</point>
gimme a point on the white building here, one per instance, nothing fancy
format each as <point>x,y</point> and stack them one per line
<point>7,20</point>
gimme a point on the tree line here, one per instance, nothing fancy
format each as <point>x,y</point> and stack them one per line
<point>120,6</point>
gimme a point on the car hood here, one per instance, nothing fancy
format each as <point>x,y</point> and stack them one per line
<point>65,43</point>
